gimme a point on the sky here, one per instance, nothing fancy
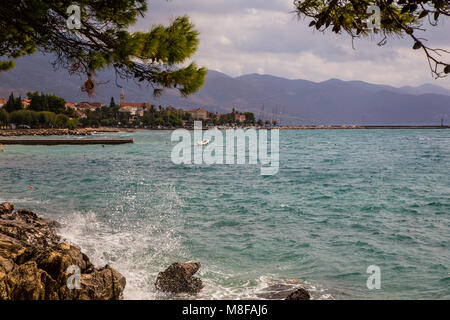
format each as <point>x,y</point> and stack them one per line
<point>264,36</point>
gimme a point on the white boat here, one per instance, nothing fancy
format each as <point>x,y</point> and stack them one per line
<point>203,142</point>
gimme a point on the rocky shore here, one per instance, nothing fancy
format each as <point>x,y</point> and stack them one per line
<point>35,264</point>
<point>58,132</point>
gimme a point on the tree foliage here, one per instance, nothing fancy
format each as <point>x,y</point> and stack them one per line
<point>13,103</point>
<point>34,119</point>
<point>156,57</point>
<point>4,117</point>
<point>110,116</point>
<point>401,18</point>
<point>112,103</point>
<point>46,102</point>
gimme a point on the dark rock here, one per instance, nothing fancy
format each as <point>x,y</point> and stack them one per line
<point>6,208</point>
<point>299,294</point>
<point>34,263</point>
<point>99,284</point>
<point>178,278</point>
<point>24,225</point>
<point>28,282</point>
<point>277,291</point>
<point>27,214</point>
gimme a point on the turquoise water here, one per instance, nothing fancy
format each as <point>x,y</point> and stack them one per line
<point>342,200</point>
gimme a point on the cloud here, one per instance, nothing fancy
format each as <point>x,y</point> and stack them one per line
<point>225,41</point>
<point>254,36</point>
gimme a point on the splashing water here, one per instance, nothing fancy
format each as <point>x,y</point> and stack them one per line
<point>342,200</point>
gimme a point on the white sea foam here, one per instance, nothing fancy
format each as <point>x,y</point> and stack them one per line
<point>139,255</point>
<point>265,287</point>
<point>137,249</point>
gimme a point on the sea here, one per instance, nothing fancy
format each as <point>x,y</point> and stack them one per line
<point>342,203</point>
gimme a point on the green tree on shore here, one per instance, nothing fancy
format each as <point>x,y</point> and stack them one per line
<point>250,118</point>
<point>13,103</point>
<point>102,40</point>
<point>112,103</point>
<point>46,119</point>
<point>4,118</point>
<point>24,117</point>
<point>35,119</point>
<point>46,102</point>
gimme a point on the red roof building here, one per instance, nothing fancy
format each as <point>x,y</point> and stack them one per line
<point>26,102</point>
<point>240,117</point>
<point>135,104</point>
<point>131,104</point>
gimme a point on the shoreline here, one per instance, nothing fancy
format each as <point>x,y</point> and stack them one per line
<point>60,132</point>
<point>356,127</point>
<point>343,127</point>
<point>91,131</point>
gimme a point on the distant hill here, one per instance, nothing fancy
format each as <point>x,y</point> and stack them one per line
<point>291,101</point>
<point>424,89</point>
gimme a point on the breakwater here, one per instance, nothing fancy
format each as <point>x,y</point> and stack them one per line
<point>55,142</point>
<point>356,127</point>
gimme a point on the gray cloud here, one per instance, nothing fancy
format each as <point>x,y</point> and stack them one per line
<point>238,37</point>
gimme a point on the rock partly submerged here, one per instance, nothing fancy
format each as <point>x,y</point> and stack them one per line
<point>299,294</point>
<point>34,262</point>
<point>285,289</point>
<point>179,278</point>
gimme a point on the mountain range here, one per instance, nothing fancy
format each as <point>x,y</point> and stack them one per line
<point>289,101</point>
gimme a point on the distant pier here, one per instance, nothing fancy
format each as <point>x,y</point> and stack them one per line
<point>45,142</point>
<point>355,127</point>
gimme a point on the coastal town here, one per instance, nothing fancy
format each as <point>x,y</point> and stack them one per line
<point>39,110</point>
<point>46,114</point>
